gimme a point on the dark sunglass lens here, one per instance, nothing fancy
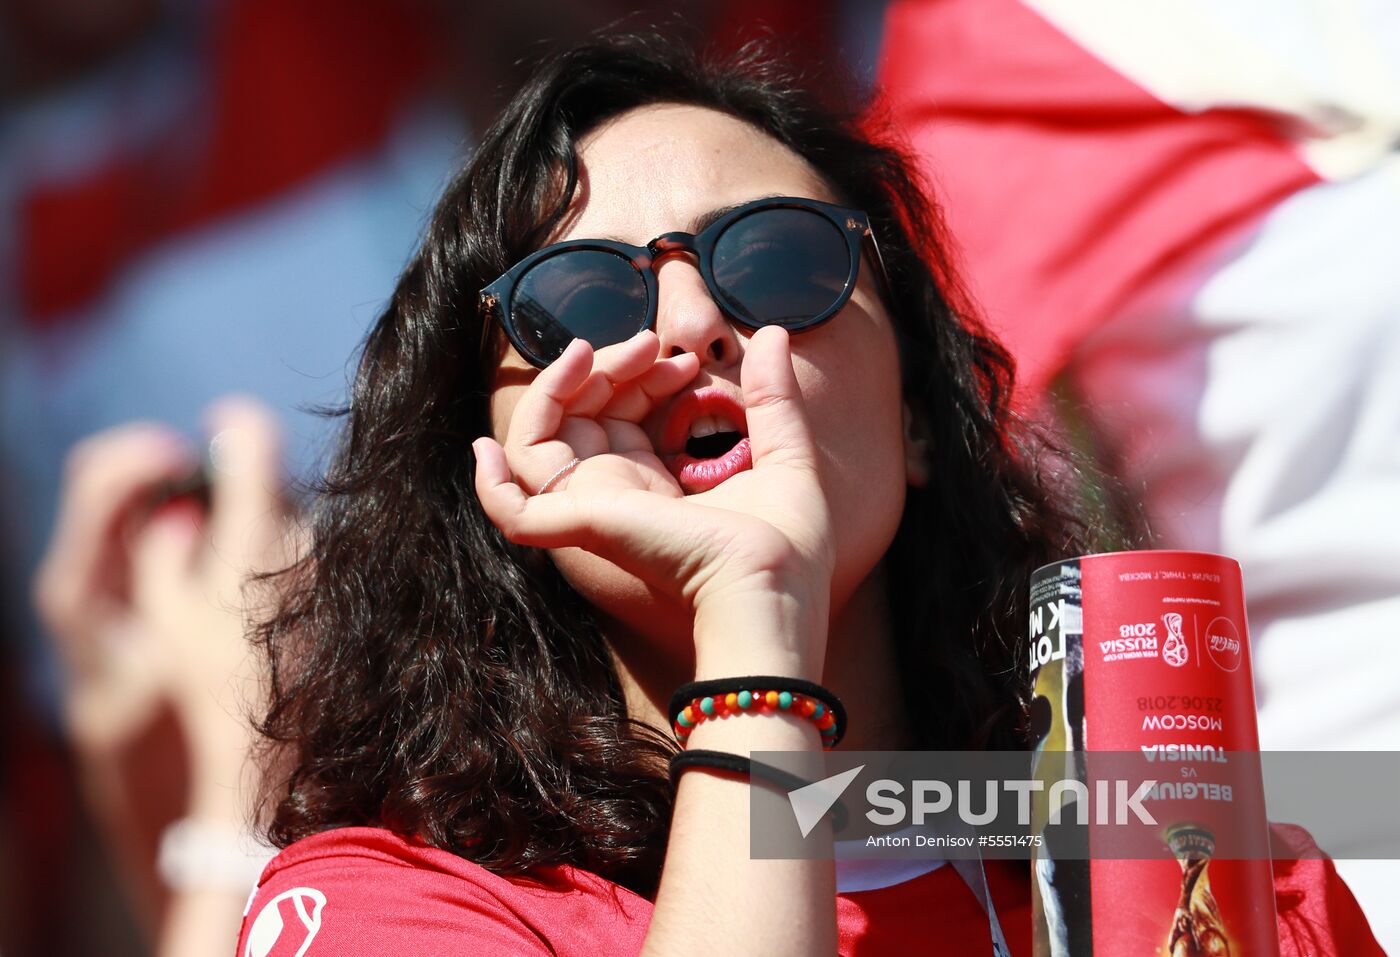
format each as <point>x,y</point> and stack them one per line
<point>781,266</point>
<point>580,293</point>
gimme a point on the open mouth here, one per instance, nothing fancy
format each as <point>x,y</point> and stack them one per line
<point>715,459</point>
<point>712,446</point>
<point>708,430</point>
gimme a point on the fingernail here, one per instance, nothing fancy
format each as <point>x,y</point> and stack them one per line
<point>229,452</point>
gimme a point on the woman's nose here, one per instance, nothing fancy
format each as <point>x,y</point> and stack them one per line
<point>687,318</point>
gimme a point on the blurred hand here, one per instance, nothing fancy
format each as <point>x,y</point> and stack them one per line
<point>149,609</point>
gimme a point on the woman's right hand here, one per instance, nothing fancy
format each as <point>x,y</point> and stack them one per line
<point>761,539</point>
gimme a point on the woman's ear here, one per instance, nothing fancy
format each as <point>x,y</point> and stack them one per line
<point>918,459</point>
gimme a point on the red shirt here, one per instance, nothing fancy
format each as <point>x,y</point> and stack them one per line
<point>367,892</point>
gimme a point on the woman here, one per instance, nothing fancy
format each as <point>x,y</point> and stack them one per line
<point>540,524</point>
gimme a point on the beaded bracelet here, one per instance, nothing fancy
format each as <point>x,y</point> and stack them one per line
<point>699,701</point>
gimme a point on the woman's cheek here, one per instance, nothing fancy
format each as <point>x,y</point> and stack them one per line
<point>866,478</point>
<point>866,516</point>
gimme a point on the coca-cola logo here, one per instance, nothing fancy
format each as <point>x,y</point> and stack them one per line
<point>1224,645</point>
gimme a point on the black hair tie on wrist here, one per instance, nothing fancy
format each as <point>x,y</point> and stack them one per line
<point>749,769</point>
<point>718,687</point>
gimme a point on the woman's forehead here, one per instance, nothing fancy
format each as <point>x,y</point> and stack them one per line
<point>664,167</point>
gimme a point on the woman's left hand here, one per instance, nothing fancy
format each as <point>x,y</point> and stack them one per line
<point>762,539</point>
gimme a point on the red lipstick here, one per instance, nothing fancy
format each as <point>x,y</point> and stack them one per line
<point>695,474</point>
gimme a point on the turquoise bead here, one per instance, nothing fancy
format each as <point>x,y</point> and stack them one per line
<point>681,720</point>
<point>785,699</point>
<point>707,705</point>
<point>818,712</point>
<point>745,699</point>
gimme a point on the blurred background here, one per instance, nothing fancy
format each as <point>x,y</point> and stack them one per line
<point>1183,220</point>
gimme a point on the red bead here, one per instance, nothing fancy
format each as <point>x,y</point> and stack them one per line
<point>828,720</point>
<point>808,707</point>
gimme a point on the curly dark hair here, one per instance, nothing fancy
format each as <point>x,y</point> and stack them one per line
<point>430,677</point>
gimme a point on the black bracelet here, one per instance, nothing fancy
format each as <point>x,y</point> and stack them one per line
<point>722,686</point>
<point>749,769</point>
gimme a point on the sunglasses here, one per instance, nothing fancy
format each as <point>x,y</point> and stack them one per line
<point>783,261</point>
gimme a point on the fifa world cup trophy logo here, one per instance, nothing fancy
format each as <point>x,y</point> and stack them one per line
<point>1174,651</point>
<point>1197,928</point>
